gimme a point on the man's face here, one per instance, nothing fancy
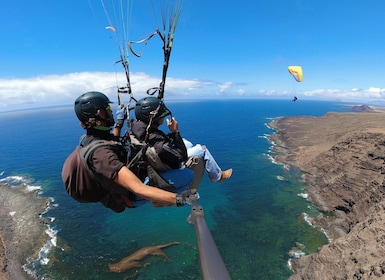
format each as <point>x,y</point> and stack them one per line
<point>110,116</point>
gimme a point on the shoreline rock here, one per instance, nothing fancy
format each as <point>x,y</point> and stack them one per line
<point>22,231</point>
<point>341,156</point>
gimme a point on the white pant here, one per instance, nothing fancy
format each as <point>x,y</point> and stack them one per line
<point>212,168</point>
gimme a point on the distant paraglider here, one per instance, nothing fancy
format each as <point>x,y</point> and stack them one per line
<point>111,28</point>
<point>296,72</point>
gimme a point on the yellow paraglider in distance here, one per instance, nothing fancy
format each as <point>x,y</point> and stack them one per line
<point>296,71</point>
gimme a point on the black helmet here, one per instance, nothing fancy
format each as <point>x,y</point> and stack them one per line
<point>88,104</point>
<point>145,106</point>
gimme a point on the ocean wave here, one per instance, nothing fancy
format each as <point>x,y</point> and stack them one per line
<point>32,265</point>
<point>273,160</point>
<point>268,138</point>
<point>311,221</point>
<point>44,252</point>
<point>52,242</point>
<point>269,127</point>
<point>15,181</point>
<point>295,253</point>
<point>303,195</point>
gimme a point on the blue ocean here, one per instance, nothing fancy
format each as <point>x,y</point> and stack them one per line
<point>255,218</point>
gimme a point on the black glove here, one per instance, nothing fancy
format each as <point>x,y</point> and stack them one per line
<point>185,197</point>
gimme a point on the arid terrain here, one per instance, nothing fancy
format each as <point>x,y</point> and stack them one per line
<point>342,158</point>
<point>22,231</point>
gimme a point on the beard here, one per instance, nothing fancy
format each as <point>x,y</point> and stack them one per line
<point>110,121</point>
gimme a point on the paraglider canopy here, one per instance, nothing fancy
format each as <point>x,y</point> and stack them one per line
<point>111,28</point>
<point>296,71</point>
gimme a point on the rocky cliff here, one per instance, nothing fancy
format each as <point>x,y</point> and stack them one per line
<point>342,157</point>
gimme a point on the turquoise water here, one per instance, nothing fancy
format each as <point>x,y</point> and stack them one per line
<point>254,217</point>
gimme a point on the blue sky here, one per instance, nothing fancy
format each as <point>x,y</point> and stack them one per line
<point>51,51</point>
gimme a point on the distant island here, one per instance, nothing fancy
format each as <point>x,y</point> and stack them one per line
<point>361,108</point>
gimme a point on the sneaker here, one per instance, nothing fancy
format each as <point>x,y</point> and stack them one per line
<point>226,175</point>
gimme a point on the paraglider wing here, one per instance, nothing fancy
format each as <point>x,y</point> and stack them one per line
<point>118,14</point>
<point>296,71</point>
<point>111,28</point>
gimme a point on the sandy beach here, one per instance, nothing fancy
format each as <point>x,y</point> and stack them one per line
<point>22,231</point>
<point>341,156</point>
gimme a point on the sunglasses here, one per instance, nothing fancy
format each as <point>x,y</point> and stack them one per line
<point>108,108</point>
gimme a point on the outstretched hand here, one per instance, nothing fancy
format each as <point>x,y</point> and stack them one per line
<point>186,197</point>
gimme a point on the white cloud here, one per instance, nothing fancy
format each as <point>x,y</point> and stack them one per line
<point>52,90</point>
<point>225,86</point>
<point>371,94</point>
<point>240,92</point>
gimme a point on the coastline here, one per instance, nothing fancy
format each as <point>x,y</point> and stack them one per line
<point>298,268</point>
<point>22,231</point>
<point>341,157</point>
